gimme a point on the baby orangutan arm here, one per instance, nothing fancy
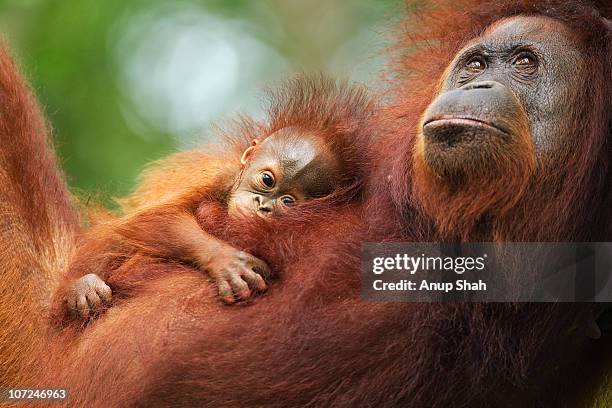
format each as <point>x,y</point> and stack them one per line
<point>235,272</point>
<point>174,234</point>
<point>160,222</point>
<point>179,237</point>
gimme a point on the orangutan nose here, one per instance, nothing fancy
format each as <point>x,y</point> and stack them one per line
<point>474,112</point>
<point>264,205</point>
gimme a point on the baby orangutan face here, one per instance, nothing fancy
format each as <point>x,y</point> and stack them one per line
<point>290,166</point>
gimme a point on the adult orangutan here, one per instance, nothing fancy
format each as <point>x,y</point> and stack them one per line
<point>538,174</point>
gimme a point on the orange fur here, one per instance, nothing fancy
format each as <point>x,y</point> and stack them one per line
<point>159,218</point>
<point>311,341</point>
<point>37,225</point>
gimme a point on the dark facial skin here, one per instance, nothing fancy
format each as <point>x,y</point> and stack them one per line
<point>521,76</point>
<point>288,167</point>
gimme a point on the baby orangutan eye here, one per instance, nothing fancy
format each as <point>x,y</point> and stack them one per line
<point>267,179</point>
<point>287,200</point>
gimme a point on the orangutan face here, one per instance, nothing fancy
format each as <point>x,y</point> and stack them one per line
<point>288,167</point>
<point>514,85</point>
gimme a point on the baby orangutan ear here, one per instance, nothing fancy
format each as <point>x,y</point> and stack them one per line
<point>247,153</point>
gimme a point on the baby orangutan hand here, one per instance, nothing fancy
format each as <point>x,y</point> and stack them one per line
<point>86,295</point>
<point>237,274</point>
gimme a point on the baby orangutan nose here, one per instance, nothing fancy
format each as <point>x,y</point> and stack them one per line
<point>264,206</point>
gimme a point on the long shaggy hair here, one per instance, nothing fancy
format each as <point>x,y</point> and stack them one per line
<point>341,114</point>
<point>568,197</point>
<point>311,341</point>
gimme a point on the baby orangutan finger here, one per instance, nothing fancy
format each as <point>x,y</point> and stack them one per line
<point>225,292</point>
<point>71,305</point>
<point>240,287</point>
<point>93,300</point>
<point>104,291</point>
<point>261,267</point>
<point>254,280</point>
<point>82,307</point>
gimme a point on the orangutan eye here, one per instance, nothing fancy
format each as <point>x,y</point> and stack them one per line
<point>525,59</point>
<point>476,64</point>
<point>267,179</point>
<point>287,200</point>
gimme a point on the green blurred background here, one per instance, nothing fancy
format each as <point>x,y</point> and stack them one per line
<point>124,82</point>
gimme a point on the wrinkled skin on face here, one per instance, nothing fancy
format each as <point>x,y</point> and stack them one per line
<point>508,92</point>
<point>287,167</point>
<point>503,122</point>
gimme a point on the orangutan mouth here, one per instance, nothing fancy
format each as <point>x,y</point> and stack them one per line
<point>450,131</point>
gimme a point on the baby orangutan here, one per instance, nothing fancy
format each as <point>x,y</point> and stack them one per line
<point>302,155</point>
